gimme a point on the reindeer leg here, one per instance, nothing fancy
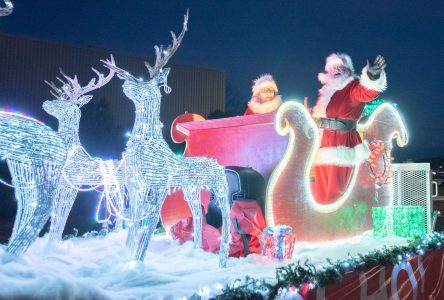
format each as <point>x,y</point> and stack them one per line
<point>119,222</point>
<point>63,202</point>
<point>131,239</point>
<point>133,223</point>
<point>154,204</point>
<point>221,193</point>
<point>34,183</point>
<point>147,232</point>
<point>192,196</point>
<point>138,195</point>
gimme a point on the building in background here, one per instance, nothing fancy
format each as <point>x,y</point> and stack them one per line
<point>26,63</point>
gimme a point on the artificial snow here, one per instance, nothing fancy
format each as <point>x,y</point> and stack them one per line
<point>101,267</point>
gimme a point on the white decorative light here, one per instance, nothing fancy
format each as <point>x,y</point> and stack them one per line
<point>386,115</point>
<point>154,170</point>
<point>4,11</point>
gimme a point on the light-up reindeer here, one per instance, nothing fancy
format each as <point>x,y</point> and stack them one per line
<point>154,170</point>
<point>80,169</point>
<point>7,10</point>
<point>35,155</point>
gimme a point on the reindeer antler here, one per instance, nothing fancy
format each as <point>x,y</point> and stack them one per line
<point>121,73</point>
<point>72,90</point>
<point>162,56</point>
<point>4,11</point>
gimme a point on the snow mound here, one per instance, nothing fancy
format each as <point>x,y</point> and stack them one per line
<point>101,267</point>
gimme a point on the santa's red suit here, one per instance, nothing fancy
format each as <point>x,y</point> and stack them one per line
<point>342,98</point>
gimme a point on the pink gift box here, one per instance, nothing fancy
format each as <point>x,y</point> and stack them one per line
<point>277,242</point>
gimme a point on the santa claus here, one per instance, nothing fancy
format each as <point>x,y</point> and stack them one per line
<point>265,98</point>
<point>339,106</point>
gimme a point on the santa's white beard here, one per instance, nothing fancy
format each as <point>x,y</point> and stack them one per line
<point>331,84</point>
<point>333,80</point>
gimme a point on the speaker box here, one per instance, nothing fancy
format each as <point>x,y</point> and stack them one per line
<point>243,184</point>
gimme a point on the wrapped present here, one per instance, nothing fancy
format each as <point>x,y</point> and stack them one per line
<point>277,242</point>
<point>409,221</point>
<point>382,221</point>
<point>403,221</point>
<point>183,231</point>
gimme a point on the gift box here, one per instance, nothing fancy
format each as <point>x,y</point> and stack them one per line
<point>409,221</point>
<point>403,221</point>
<point>382,221</point>
<point>277,242</point>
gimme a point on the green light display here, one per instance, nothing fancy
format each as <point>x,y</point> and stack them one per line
<point>380,222</point>
<point>403,221</point>
<point>409,221</point>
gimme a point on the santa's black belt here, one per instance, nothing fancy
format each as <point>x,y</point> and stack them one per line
<point>336,124</point>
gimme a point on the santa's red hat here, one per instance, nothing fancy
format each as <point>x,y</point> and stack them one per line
<point>336,60</point>
<point>264,81</point>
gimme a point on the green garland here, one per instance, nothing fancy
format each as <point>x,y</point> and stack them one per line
<point>295,275</point>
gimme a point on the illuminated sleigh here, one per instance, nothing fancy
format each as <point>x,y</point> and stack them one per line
<point>281,146</point>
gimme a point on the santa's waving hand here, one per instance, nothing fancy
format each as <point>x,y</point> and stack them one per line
<point>375,68</point>
<point>340,105</point>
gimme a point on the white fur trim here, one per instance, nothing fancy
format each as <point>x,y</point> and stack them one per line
<point>378,85</point>
<point>259,107</point>
<point>263,81</point>
<point>342,156</point>
<point>331,85</point>
<point>338,59</point>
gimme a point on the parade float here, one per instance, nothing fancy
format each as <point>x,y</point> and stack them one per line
<point>48,169</point>
<point>281,146</point>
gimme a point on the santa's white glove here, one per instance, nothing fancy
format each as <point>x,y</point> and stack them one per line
<point>375,68</point>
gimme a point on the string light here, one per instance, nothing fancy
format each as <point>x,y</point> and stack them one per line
<point>379,151</point>
<point>297,276</point>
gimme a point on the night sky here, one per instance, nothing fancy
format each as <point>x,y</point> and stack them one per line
<point>289,39</point>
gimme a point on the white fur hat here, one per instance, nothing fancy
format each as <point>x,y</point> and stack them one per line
<point>263,81</point>
<point>338,59</point>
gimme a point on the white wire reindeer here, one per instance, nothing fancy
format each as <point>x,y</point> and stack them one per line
<point>35,155</point>
<point>7,10</point>
<point>154,170</point>
<point>80,169</point>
